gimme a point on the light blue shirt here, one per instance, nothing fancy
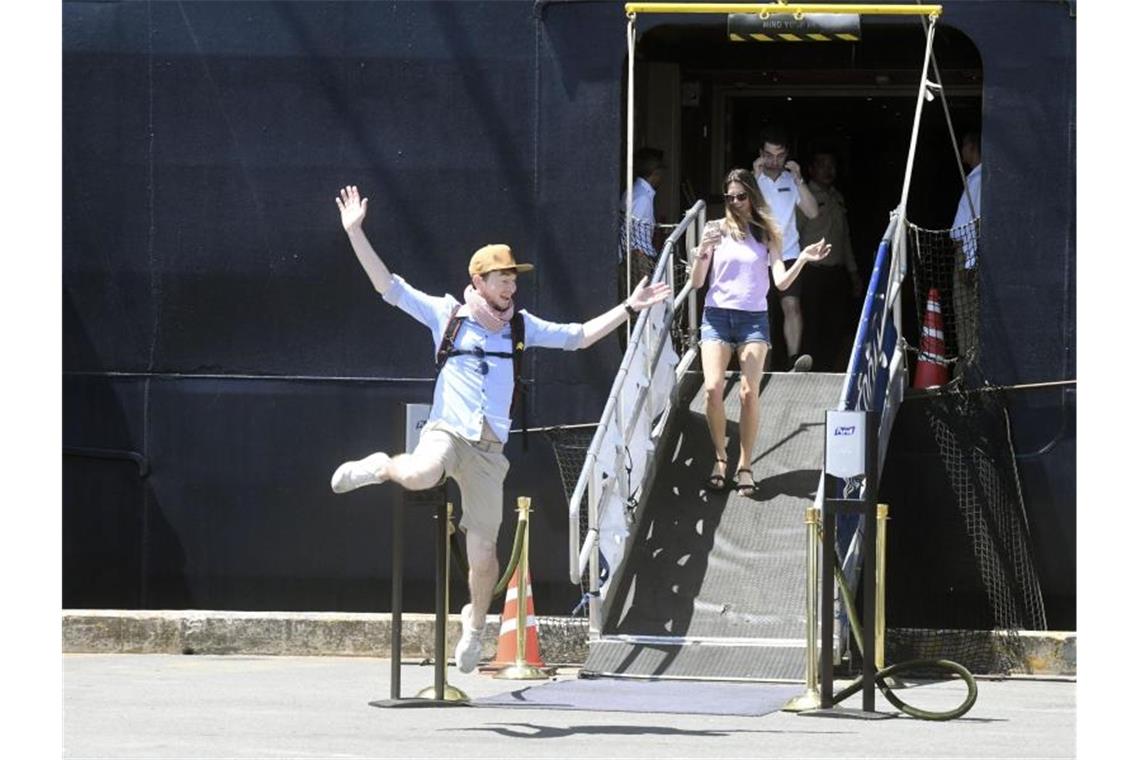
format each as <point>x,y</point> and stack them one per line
<point>464,396</point>
<point>960,231</point>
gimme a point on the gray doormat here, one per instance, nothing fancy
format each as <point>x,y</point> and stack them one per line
<point>649,696</point>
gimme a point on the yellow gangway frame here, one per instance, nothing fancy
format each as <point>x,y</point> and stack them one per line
<point>795,9</point>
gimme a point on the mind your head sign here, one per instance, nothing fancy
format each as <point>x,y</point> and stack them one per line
<point>790,27</point>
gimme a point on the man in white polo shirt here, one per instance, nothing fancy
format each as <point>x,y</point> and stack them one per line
<point>783,188</point>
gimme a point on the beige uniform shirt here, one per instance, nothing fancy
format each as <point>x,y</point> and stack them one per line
<point>831,223</point>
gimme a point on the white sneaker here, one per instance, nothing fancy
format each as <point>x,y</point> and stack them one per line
<point>470,646</point>
<point>362,472</point>
<point>802,363</point>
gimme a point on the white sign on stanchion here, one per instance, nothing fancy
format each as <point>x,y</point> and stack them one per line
<point>846,445</point>
<point>415,417</point>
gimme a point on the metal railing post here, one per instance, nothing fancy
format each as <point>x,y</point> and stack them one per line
<point>397,596</point>
<point>691,299</point>
<point>595,608</point>
<point>440,690</point>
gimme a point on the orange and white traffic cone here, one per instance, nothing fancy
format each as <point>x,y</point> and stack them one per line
<point>508,637</point>
<point>931,370</point>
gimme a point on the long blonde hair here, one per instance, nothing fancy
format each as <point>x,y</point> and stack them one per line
<point>762,225</point>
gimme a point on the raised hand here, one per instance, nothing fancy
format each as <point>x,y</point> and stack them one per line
<point>644,295</point>
<point>817,250</point>
<point>794,168</point>
<point>352,208</point>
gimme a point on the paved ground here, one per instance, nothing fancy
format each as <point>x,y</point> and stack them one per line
<point>167,706</point>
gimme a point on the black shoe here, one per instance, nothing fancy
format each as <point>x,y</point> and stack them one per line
<point>717,482</point>
<point>745,489</point>
<point>801,363</point>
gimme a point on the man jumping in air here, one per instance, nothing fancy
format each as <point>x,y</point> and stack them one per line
<point>470,415</point>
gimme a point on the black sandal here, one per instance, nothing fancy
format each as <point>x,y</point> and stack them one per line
<point>716,482</point>
<point>746,489</point>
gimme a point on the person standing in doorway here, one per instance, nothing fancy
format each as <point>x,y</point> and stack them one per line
<point>831,287</point>
<point>782,185</point>
<point>965,232</point>
<point>648,174</point>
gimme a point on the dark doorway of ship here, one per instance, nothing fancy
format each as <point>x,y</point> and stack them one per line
<point>705,100</point>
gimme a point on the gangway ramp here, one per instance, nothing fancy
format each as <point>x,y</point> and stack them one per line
<point>713,586</point>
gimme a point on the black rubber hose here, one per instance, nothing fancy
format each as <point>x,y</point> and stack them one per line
<point>926,666</point>
<point>513,563</point>
<point>894,670</point>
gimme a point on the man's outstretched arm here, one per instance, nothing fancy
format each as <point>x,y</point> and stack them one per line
<point>352,212</point>
<point>643,297</point>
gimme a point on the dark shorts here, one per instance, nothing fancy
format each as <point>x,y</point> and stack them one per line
<point>734,326</point>
<point>795,290</point>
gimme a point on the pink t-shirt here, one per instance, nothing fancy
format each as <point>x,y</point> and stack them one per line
<point>738,275</point>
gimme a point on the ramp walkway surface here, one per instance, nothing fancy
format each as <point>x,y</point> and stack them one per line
<point>713,586</point>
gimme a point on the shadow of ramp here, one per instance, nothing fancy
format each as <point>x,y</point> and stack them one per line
<point>798,484</point>
<point>649,696</point>
<point>669,554</point>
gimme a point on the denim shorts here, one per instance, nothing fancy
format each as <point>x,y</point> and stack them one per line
<point>734,326</point>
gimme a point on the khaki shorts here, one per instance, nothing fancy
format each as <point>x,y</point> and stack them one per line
<point>478,467</point>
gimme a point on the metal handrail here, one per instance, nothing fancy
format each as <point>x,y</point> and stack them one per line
<point>583,551</point>
<point>872,318</point>
<point>870,371</point>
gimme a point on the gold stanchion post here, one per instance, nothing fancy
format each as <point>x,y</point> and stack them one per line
<point>522,670</point>
<point>450,693</point>
<point>882,514</point>
<point>881,587</point>
<point>810,700</point>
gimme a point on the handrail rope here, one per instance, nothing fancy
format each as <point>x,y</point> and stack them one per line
<point>917,228</point>
<point>881,676</point>
<point>917,116</point>
<point>630,35</point>
<point>941,89</point>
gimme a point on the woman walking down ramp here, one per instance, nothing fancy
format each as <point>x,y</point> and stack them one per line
<point>735,254</point>
<point>477,345</point>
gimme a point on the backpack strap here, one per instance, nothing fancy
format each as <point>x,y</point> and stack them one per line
<point>518,345</point>
<point>447,342</point>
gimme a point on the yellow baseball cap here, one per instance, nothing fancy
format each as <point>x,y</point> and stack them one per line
<point>491,258</point>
